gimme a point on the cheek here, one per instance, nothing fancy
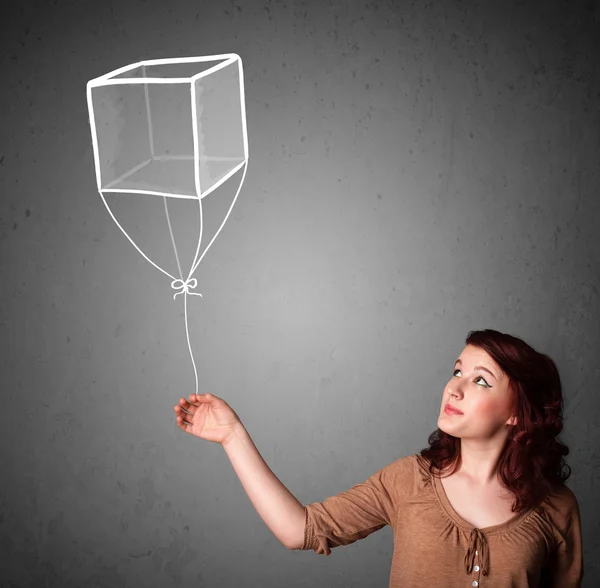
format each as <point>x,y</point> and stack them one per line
<point>484,408</point>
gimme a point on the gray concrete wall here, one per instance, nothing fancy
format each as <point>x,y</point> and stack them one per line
<point>417,170</point>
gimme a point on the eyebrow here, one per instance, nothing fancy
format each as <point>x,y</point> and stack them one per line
<point>478,367</point>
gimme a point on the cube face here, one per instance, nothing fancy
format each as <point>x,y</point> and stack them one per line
<point>122,132</point>
<point>169,127</point>
<point>218,122</point>
<point>170,121</point>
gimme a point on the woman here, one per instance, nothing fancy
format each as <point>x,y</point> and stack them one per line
<point>485,505</point>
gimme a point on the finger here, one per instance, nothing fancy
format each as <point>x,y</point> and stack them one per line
<point>185,428</point>
<point>188,406</point>
<point>183,425</point>
<point>185,416</point>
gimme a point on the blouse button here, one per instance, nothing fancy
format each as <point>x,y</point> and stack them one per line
<point>474,583</point>
<point>476,568</point>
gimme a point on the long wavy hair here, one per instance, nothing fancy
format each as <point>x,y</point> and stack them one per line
<point>532,462</point>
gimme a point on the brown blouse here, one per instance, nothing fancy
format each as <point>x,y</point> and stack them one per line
<point>535,549</point>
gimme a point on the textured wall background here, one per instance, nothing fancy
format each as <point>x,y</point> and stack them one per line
<point>417,170</point>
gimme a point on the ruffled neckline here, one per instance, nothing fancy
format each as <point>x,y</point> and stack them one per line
<point>477,537</point>
<point>441,495</point>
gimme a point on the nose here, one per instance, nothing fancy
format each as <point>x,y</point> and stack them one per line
<point>454,393</point>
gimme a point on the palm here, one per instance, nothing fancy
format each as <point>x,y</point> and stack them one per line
<point>208,423</point>
<point>206,416</point>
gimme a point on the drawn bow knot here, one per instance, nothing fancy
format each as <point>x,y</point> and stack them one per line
<point>185,287</point>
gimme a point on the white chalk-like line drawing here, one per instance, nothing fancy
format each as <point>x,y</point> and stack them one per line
<point>142,130</point>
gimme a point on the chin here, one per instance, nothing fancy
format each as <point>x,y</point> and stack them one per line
<point>442,427</point>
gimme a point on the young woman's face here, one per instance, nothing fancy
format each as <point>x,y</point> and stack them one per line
<point>479,389</point>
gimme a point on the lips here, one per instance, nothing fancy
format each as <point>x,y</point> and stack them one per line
<point>451,409</point>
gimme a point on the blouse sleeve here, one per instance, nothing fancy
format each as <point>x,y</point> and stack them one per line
<point>567,562</point>
<point>351,515</point>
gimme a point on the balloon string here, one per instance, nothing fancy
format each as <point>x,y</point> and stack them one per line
<point>197,260</point>
<point>182,285</point>
<point>172,237</point>
<point>187,333</point>
<point>185,285</point>
<point>184,288</point>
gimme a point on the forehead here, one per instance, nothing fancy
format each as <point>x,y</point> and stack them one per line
<point>472,356</point>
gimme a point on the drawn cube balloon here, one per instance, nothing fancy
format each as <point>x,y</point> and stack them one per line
<point>170,127</point>
<point>174,128</point>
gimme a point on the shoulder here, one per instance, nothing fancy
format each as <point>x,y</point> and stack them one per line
<point>562,507</point>
<point>408,474</point>
<point>562,498</point>
<point>409,464</point>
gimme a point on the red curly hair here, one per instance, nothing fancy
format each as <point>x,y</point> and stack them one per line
<point>532,462</point>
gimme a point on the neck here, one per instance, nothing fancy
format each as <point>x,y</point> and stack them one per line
<point>479,464</point>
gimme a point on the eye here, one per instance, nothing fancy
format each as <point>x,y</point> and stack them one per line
<point>478,378</point>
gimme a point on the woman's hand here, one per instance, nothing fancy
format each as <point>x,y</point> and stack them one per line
<point>208,417</point>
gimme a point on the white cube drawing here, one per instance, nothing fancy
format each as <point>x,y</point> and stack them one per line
<point>170,127</point>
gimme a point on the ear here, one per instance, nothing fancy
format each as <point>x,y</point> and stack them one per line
<point>512,420</point>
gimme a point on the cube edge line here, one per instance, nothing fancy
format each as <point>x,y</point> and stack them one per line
<point>223,60</point>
